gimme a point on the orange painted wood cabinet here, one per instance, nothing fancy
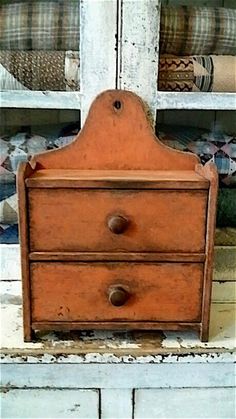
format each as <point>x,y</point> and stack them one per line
<point>116,229</point>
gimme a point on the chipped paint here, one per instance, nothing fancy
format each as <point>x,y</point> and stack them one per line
<point>113,346</point>
<point>109,358</point>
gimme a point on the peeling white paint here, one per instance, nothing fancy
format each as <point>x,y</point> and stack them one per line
<point>109,346</point>
<point>222,331</point>
<point>12,328</point>
<point>109,358</point>
<point>196,100</point>
<point>101,346</point>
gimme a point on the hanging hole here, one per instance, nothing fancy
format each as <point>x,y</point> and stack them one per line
<point>117,104</point>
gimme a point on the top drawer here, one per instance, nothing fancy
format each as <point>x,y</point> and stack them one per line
<point>70,219</point>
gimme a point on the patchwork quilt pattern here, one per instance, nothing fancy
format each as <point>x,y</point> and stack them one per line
<point>15,149</point>
<point>210,146</point>
<point>218,147</point>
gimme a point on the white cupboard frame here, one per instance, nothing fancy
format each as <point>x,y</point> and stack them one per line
<point>119,49</point>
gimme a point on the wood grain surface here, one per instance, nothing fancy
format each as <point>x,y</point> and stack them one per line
<point>80,291</point>
<point>116,138</point>
<point>117,179</point>
<point>76,220</point>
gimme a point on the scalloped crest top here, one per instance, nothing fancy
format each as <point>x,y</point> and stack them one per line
<point>116,136</point>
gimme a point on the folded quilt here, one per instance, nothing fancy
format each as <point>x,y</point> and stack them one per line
<point>217,147</point>
<point>213,73</point>
<point>39,70</point>
<point>198,30</point>
<point>40,25</point>
<point>13,150</point>
<point>9,234</point>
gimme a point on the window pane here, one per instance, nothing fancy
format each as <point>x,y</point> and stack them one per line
<point>24,133</point>
<point>39,45</point>
<point>212,136</point>
<point>197,46</point>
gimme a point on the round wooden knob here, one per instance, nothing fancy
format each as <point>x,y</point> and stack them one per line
<point>117,224</point>
<point>118,296</point>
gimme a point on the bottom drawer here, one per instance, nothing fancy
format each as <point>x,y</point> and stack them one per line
<point>116,291</point>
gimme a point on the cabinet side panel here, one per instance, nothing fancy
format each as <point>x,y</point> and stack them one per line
<point>23,172</point>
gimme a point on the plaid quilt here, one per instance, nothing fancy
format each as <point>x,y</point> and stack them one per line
<point>40,25</point>
<point>198,30</point>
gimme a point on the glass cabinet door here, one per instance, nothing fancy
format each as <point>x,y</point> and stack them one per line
<point>23,133</point>
<point>197,46</point>
<point>39,45</point>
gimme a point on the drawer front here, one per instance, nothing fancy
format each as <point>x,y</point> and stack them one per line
<point>88,292</point>
<point>86,220</point>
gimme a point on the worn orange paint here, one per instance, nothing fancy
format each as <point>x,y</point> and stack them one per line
<point>80,291</point>
<point>77,220</point>
<point>78,260</point>
<point>116,139</point>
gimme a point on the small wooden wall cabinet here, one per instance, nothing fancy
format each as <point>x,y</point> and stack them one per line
<point>116,229</point>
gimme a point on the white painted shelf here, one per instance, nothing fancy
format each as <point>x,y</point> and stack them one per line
<point>196,101</point>
<point>40,100</point>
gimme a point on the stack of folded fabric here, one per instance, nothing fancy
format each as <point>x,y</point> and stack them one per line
<point>202,73</point>
<point>39,45</point>
<point>13,150</point>
<point>215,146</point>
<point>197,49</point>
<point>197,54</point>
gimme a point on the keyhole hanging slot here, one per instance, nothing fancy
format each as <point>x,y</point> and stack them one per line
<point>117,104</point>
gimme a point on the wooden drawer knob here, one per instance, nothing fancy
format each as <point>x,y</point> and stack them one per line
<point>118,296</point>
<point>117,224</point>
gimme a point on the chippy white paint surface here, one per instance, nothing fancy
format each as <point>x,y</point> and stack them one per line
<point>118,376</point>
<point>10,268</point>
<point>116,403</point>
<point>222,333</point>
<point>196,100</point>
<point>138,48</point>
<point>40,100</point>
<point>50,404</point>
<point>135,374</point>
<point>98,49</point>
<point>185,403</point>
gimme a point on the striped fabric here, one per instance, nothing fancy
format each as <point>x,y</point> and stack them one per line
<point>198,31</point>
<point>201,73</point>
<point>204,82</point>
<point>40,25</point>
